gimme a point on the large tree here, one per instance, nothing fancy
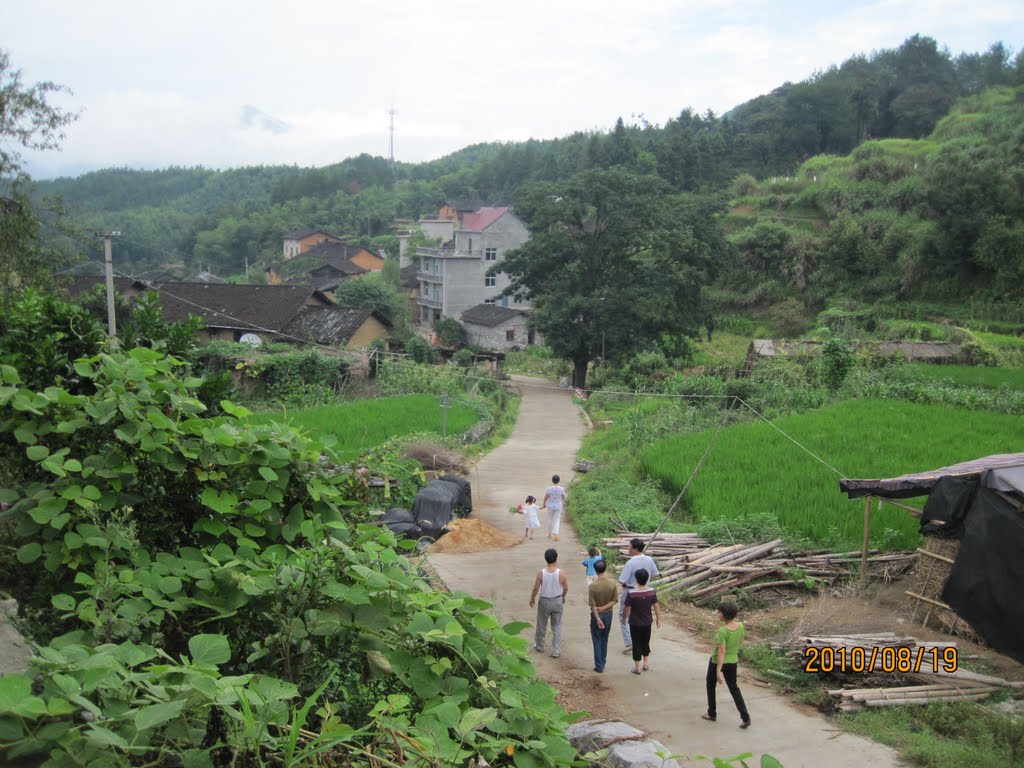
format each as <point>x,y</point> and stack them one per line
<point>27,121</point>
<point>614,260</point>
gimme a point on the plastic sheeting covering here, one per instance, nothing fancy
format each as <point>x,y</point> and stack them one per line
<point>947,506</point>
<point>435,505</point>
<point>920,483</point>
<point>465,500</point>
<point>986,582</point>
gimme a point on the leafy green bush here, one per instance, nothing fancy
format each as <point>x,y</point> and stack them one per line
<point>212,595</point>
<point>419,350</point>
<point>451,332</point>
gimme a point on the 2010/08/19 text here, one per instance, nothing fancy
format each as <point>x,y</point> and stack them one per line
<point>827,659</point>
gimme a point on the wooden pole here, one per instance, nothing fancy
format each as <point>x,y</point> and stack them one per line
<point>864,545</point>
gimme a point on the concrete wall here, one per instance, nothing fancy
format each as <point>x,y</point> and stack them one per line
<point>496,337</point>
<point>464,278</point>
<point>436,229</point>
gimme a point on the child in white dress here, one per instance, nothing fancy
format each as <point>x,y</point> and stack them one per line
<point>531,513</point>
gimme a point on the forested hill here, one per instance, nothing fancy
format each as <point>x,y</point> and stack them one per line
<point>183,217</point>
<point>939,218</point>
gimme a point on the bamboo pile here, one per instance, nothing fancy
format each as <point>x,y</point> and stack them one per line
<point>667,545</point>
<point>857,699</point>
<point>937,684</point>
<point>687,562</point>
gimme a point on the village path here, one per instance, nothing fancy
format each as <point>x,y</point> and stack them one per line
<point>667,701</point>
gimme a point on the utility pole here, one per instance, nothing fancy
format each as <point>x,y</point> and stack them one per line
<point>391,140</point>
<point>108,266</point>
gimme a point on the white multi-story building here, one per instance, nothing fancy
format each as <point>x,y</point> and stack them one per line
<point>453,277</point>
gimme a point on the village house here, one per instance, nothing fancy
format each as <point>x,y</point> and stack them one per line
<point>291,313</point>
<point>492,327</point>
<point>453,278</point>
<point>302,240</point>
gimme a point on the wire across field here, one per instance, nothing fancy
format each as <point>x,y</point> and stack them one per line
<point>755,469</point>
<point>363,424</point>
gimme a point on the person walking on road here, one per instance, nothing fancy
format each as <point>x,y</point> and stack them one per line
<point>640,604</point>
<point>603,597</point>
<point>637,560</point>
<point>549,590</point>
<point>554,501</point>
<point>722,666</point>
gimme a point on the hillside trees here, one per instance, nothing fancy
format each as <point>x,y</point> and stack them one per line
<point>612,262</point>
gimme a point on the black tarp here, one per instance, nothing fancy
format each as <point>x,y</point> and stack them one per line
<point>435,505</point>
<point>986,584</point>
<point>947,506</point>
<point>465,501</point>
<point>401,522</point>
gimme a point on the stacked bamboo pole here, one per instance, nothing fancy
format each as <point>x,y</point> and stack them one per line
<point>938,684</point>
<point>687,562</point>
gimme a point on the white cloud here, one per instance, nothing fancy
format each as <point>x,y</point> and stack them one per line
<point>165,83</point>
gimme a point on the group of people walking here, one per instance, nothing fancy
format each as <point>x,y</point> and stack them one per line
<point>638,614</point>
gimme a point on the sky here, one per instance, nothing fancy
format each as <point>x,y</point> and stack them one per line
<point>222,84</point>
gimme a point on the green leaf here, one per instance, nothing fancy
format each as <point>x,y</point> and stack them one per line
<point>157,714</point>
<point>209,650</point>
<point>447,714</point>
<point>515,627</point>
<point>476,718</point>
<point>37,452</point>
<point>13,688</point>
<point>29,553</point>
<point>268,474</point>
<point>767,761</point>
<point>63,602</point>
<point>104,737</point>
<point>10,729</point>
<point>31,707</point>
<point>169,585</point>
<point>59,707</point>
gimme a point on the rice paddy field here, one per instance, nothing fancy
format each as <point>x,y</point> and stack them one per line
<point>363,424</point>
<point>969,375</point>
<point>753,468</point>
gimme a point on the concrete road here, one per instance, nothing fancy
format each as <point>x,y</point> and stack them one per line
<point>667,701</point>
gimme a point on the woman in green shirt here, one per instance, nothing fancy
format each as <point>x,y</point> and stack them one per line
<point>722,666</point>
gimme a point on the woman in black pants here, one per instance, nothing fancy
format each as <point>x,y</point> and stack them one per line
<point>722,666</point>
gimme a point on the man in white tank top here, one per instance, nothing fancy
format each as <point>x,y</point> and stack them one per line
<point>549,590</point>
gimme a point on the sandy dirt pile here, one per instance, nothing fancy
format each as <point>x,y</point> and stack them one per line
<point>471,535</point>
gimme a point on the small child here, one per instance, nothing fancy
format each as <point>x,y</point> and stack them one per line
<point>722,667</point>
<point>531,513</point>
<point>595,555</point>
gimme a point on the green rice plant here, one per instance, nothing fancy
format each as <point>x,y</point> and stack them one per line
<point>358,426</point>
<point>967,375</point>
<point>754,468</point>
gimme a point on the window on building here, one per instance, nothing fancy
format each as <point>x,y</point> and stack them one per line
<point>423,264</point>
<point>490,281</point>
<point>488,301</point>
<point>490,254</point>
<point>437,266</point>
<point>510,334</point>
